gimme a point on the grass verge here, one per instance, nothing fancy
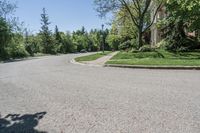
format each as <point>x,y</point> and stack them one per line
<point>157,58</point>
<point>92,57</point>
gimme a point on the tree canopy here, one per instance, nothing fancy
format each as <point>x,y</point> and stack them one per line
<point>137,10</point>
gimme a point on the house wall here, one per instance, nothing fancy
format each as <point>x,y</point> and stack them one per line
<point>155,32</point>
<point>155,35</point>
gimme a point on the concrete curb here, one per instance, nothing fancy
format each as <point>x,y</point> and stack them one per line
<point>154,67</point>
<point>73,61</point>
<point>87,63</point>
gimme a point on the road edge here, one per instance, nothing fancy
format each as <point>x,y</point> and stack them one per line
<point>154,67</point>
<point>73,61</point>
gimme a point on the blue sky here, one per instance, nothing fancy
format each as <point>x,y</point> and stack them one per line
<point>69,15</point>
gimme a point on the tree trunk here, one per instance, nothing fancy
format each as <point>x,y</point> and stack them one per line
<point>140,39</point>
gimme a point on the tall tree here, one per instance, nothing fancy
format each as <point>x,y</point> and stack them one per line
<point>6,8</point>
<point>57,35</point>
<point>124,26</point>
<point>138,11</point>
<point>183,17</point>
<point>5,37</point>
<point>47,40</point>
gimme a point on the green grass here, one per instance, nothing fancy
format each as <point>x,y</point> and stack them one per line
<point>92,57</point>
<point>157,58</point>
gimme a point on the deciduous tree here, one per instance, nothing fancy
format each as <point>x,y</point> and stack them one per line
<point>138,11</point>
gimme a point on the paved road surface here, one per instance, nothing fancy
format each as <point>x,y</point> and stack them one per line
<point>52,95</point>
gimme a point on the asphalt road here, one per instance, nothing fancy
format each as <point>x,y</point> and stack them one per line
<point>49,94</point>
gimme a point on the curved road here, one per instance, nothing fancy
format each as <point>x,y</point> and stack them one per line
<point>52,95</point>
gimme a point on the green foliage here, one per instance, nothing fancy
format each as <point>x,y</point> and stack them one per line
<point>11,43</point>
<point>17,51</point>
<point>183,17</point>
<point>91,41</point>
<point>80,39</point>
<point>14,44</point>
<point>123,26</point>
<point>146,48</point>
<point>125,46</point>
<point>16,48</point>
<point>5,36</point>
<point>185,10</point>
<point>163,44</point>
<point>95,40</point>
<point>66,43</point>
<point>33,44</point>
<point>136,11</point>
<point>113,41</point>
<point>48,43</point>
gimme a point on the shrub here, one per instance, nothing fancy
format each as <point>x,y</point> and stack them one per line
<point>113,41</point>
<point>17,51</point>
<point>32,48</point>
<point>163,44</point>
<point>183,45</point>
<point>126,45</point>
<point>146,48</point>
<point>134,43</point>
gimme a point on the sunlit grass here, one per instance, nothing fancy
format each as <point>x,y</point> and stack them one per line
<point>160,58</point>
<point>92,57</point>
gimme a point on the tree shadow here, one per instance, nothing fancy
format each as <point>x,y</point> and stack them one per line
<point>18,60</point>
<point>16,123</point>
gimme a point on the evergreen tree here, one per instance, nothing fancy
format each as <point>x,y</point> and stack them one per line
<point>47,40</point>
<point>58,39</point>
<point>57,35</point>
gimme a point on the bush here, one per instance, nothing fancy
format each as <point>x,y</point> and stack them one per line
<point>130,44</point>
<point>134,43</point>
<point>163,44</point>
<point>113,41</point>
<point>183,45</point>
<point>17,51</point>
<point>126,45</point>
<point>33,48</point>
<point>146,48</point>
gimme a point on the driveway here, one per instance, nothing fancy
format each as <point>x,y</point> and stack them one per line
<point>49,94</point>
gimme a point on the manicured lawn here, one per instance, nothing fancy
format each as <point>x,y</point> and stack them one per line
<point>158,58</point>
<point>92,57</point>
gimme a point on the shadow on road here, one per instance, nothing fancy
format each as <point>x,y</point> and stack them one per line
<point>18,60</point>
<point>16,123</point>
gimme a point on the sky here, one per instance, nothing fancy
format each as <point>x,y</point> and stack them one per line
<point>68,15</point>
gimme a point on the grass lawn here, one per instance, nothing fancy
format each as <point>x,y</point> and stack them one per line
<point>92,57</point>
<point>157,58</point>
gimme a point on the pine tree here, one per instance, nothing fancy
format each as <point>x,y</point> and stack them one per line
<point>47,40</point>
<point>57,35</point>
